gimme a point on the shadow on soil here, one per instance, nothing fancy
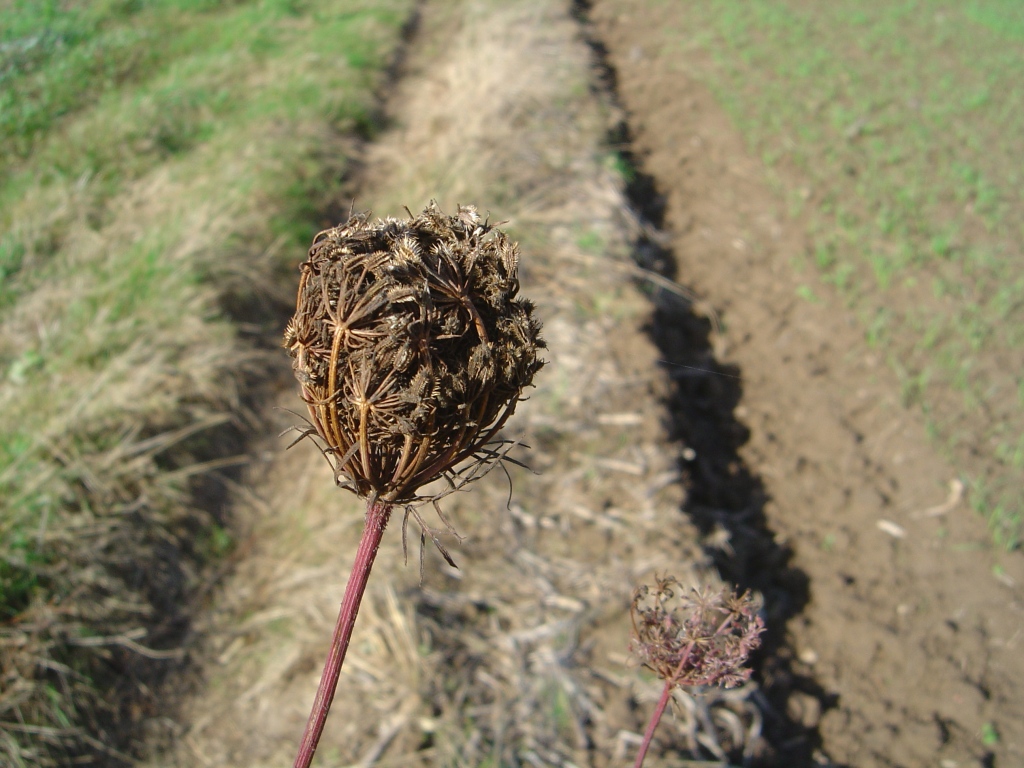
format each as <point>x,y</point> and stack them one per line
<point>725,500</point>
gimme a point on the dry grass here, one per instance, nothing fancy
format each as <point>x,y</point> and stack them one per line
<point>116,540</point>
<point>126,379</point>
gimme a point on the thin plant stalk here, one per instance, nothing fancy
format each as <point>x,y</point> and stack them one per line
<point>377,515</point>
<point>652,726</point>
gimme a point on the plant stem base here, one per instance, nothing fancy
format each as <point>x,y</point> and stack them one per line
<point>377,515</point>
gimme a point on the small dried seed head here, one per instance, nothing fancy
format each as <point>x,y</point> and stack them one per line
<point>695,638</point>
<point>410,346</point>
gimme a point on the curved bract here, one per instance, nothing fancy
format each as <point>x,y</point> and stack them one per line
<point>411,346</point>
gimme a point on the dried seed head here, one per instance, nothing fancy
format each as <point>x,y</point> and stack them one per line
<point>695,638</point>
<point>410,346</point>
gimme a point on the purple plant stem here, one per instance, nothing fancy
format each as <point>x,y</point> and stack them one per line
<point>377,514</point>
<point>653,724</point>
<point>666,694</point>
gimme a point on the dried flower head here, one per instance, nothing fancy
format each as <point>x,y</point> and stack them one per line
<point>411,347</point>
<point>695,638</point>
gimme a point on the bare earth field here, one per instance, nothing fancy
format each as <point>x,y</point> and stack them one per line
<point>908,640</point>
<point>749,437</point>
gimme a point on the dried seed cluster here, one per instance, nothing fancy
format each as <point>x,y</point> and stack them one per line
<point>695,638</point>
<point>410,346</point>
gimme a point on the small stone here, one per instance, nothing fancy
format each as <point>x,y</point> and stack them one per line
<point>804,709</point>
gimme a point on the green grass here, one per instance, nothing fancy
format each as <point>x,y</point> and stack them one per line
<point>161,165</point>
<point>896,129</point>
<point>231,71</point>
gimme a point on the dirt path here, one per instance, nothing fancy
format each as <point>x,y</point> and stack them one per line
<point>519,657</point>
<point>891,640</point>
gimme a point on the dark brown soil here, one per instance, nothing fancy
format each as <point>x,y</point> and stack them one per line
<point>901,634</point>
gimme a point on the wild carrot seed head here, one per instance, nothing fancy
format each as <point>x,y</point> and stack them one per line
<point>411,346</point>
<point>695,638</point>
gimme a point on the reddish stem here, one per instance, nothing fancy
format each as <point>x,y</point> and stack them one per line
<point>652,726</point>
<point>666,694</point>
<point>377,514</point>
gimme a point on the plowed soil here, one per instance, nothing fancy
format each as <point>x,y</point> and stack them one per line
<point>908,643</point>
<point>725,430</point>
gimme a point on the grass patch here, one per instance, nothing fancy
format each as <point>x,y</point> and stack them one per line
<point>893,129</point>
<point>162,165</point>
